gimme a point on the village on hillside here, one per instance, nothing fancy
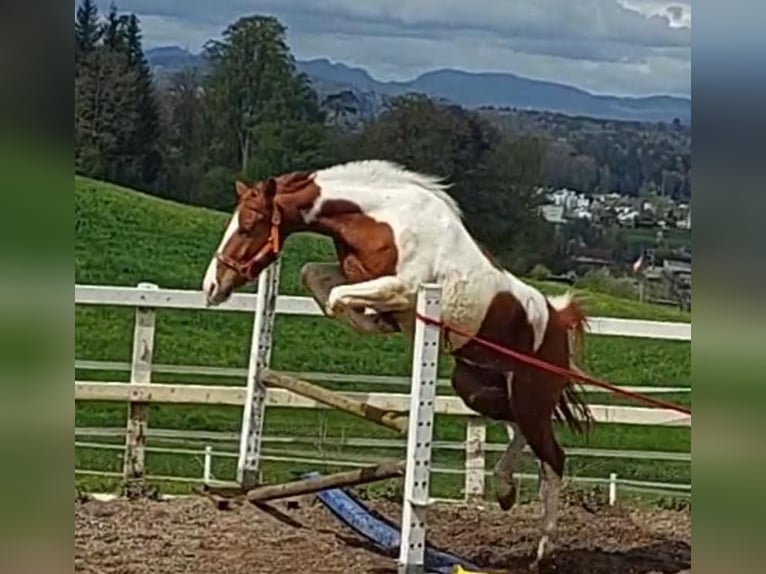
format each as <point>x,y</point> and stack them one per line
<point>657,230</point>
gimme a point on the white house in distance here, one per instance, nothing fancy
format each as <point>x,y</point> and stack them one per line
<point>567,204</point>
<point>574,205</point>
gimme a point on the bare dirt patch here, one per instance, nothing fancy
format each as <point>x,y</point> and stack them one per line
<point>188,535</point>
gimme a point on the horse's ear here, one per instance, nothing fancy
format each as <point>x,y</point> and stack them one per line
<point>242,188</point>
<point>270,189</point>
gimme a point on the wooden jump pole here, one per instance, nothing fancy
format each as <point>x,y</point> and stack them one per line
<point>382,471</point>
<point>389,419</point>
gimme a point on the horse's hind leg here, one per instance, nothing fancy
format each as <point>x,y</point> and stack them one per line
<point>550,491</point>
<point>505,486</point>
<point>320,278</point>
<point>533,400</point>
<point>486,392</point>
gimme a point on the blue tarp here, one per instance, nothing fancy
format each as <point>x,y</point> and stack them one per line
<point>381,531</point>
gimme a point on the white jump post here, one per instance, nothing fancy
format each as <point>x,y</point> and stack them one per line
<point>425,362</point>
<point>255,400</point>
<point>612,488</point>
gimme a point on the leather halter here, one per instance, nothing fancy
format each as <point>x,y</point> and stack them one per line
<point>271,247</point>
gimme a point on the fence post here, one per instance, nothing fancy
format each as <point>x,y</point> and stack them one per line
<point>134,463</point>
<point>207,468</point>
<point>425,364</point>
<point>255,400</point>
<point>612,488</point>
<point>475,438</point>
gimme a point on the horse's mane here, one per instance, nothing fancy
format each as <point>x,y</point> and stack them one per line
<point>391,172</point>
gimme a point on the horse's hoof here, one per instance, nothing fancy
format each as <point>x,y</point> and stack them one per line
<point>505,493</point>
<point>544,549</point>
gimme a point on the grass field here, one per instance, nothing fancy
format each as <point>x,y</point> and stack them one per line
<point>647,237</point>
<point>122,238</point>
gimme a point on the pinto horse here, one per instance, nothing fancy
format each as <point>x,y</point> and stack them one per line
<point>393,230</point>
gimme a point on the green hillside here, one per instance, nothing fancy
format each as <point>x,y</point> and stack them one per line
<point>123,237</point>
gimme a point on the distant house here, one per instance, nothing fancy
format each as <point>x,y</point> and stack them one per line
<point>553,213</point>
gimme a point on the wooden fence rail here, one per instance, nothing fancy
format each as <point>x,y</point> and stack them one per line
<point>140,391</point>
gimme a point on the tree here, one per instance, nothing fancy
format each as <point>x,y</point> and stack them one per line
<point>116,114</point>
<point>114,30</point>
<point>422,135</point>
<point>507,215</point>
<point>105,115</point>
<point>261,107</point>
<point>185,138</point>
<point>87,31</point>
<point>146,152</point>
<point>493,178</point>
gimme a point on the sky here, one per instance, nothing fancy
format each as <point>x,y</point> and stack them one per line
<point>621,47</point>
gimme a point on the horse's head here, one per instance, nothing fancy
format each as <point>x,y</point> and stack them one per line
<point>250,243</point>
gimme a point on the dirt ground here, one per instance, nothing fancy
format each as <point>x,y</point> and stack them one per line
<point>189,535</point>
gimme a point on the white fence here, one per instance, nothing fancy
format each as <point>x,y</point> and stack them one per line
<point>140,391</point>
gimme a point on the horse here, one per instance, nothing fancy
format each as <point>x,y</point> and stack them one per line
<point>394,229</point>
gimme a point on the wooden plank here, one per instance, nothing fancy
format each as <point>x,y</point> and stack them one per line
<point>174,435</point>
<point>355,477</point>
<point>384,417</point>
<point>640,328</point>
<point>220,395</point>
<point>158,299</point>
<point>234,372</point>
<point>160,393</point>
<point>292,305</point>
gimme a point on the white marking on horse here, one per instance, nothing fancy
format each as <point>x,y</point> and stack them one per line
<point>209,282</point>
<point>550,487</point>
<point>511,458</point>
<point>432,243</point>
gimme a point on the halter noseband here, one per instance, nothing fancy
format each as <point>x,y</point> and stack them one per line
<point>271,247</point>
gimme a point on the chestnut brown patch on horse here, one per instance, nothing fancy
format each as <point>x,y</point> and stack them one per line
<point>335,207</point>
<point>536,396</point>
<point>289,194</point>
<point>505,324</point>
<point>366,248</point>
<point>268,211</point>
<point>296,192</point>
<point>483,390</point>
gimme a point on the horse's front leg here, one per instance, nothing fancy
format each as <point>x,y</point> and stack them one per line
<point>383,294</point>
<point>320,279</point>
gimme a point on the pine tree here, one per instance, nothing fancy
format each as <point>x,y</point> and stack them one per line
<point>114,30</point>
<point>146,148</point>
<point>87,31</point>
<point>105,116</point>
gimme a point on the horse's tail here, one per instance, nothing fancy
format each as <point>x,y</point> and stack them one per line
<point>571,407</point>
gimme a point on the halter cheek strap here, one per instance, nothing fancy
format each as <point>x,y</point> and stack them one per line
<point>272,246</point>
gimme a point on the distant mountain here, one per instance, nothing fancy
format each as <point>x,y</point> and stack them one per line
<point>502,90</point>
<point>468,89</point>
<point>173,58</point>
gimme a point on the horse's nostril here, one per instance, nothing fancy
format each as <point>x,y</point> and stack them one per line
<point>210,290</point>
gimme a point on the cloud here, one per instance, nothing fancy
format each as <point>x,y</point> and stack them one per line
<point>677,12</point>
<point>613,46</point>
